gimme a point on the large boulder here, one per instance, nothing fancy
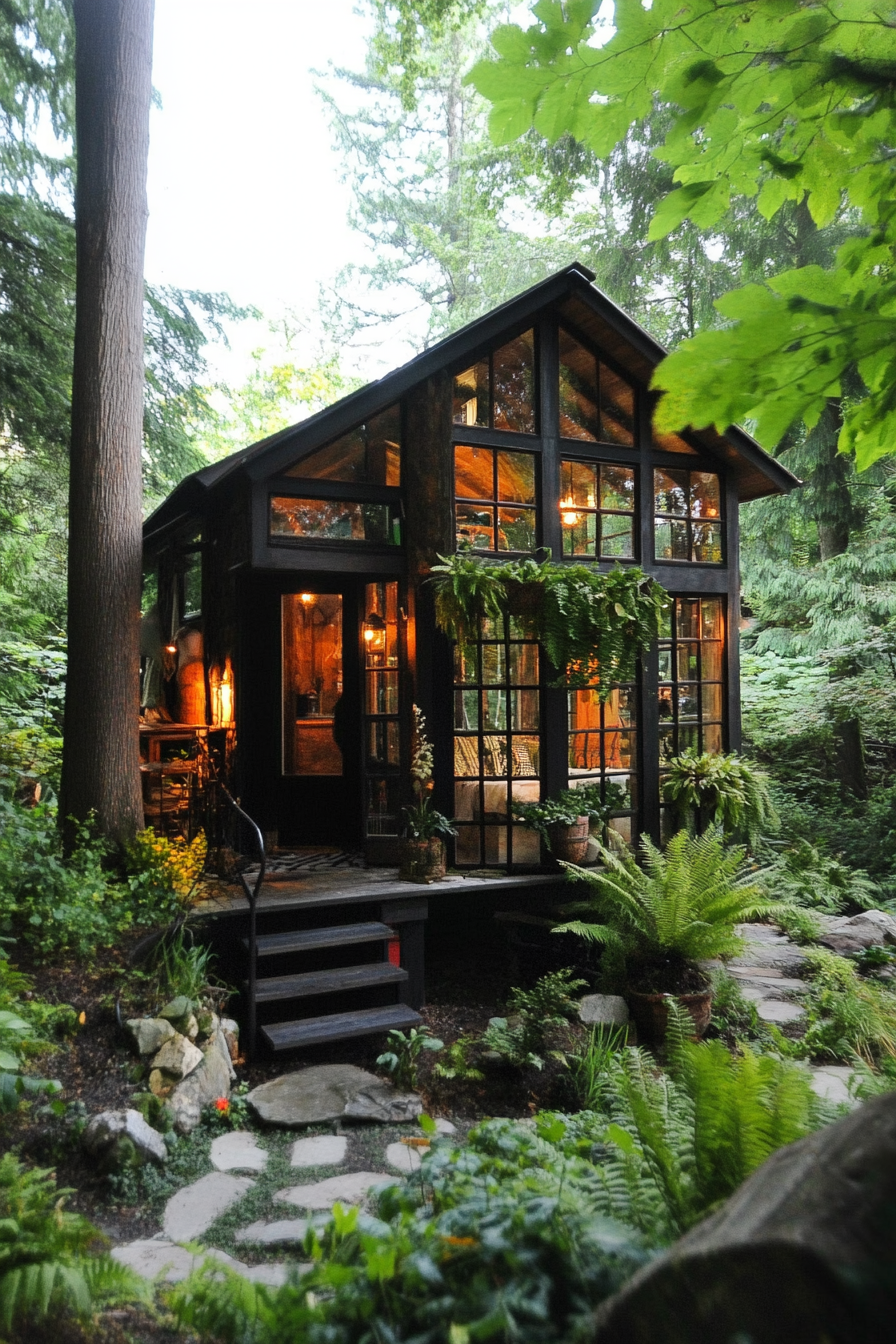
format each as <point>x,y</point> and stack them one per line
<point>598,1010</point>
<point>149,1034</point>
<point>210,1080</point>
<point>122,1138</point>
<point>331,1092</point>
<point>803,1252</point>
<point>870,928</point>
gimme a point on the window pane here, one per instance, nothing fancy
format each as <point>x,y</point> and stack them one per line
<point>526,845</point>
<point>711,615</point>
<point>384,447</point>
<point>476,527</point>
<point>617,488</point>
<point>471,396</point>
<point>332,520</point>
<point>192,583</point>
<point>524,710</point>
<point>712,737</point>
<point>382,807</point>
<point>671,491</point>
<point>671,539</point>
<point>494,710</point>
<point>687,664</point>
<point>523,664</point>
<point>617,408</point>
<point>579,417</point>
<point>516,530</point>
<point>687,625</point>
<point>466,847</point>
<point>514,385</point>
<point>516,478</point>
<point>672,443</point>
<point>311,681</point>
<point>616,536</point>
<point>705,498</point>
<point>706,545</point>
<point>578,484</point>
<point>474,470</point>
<point>579,538</point>
<point>712,702</point>
<point>712,662</point>
<point>493,664</point>
<point>466,710</point>
<point>466,757</point>
<point>524,757</point>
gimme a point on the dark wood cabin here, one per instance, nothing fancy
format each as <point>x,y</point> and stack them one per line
<point>290,586</point>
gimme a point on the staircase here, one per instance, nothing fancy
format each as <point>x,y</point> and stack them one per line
<point>301,987</point>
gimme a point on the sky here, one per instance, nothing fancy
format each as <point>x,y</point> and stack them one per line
<point>244,190</point>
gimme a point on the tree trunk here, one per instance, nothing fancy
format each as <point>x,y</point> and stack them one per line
<point>113,72</point>
<point>835,515</point>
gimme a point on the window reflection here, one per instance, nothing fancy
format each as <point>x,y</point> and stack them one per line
<point>597,503</point>
<point>688,512</point>
<point>370,453</point>
<point>495,499</point>
<point>691,692</point>
<point>595,403</point>
<point>499,392</point>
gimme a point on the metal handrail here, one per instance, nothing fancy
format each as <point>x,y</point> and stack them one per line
<point>251,894</point>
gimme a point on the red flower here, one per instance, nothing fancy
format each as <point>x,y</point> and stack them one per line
<point>223,1105</point>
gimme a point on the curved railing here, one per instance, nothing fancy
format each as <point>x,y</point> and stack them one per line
<point>251,891</point>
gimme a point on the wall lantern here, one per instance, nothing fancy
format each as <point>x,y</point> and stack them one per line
<point>374,630</point>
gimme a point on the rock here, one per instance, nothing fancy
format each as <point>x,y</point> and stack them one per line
<point>191,1027</point>
<point>403,1158</point>
<point>115,1136</point>
<point>380,1102</point>
<point>831,1081</point>
<point>210,1080</point>
<point>331,1092</point>
<point>159,1084</point>
<point>284,1232</point>
<point>231,1036</point>
<point>238,1151</point>
<point>802,1252</point>
<point>445,1127</point>
<point>177,1010</point>
<point>178,1057</point>
<point>321,1150</point>
<point>759,988</point>
<point>157,1257</point>
<point>870,928</point>
<point>775,1010</point>
<point>603,1009</point>
<point>193,1209</point>
<point>149,1033</point>
<point>349,1189</point>
<point>208,1023</point>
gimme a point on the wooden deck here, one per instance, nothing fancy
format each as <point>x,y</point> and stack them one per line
<point>357,886</point>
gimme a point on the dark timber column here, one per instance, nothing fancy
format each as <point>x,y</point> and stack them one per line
<point>648,717</point>
<point>113,67</point>
<point>428,481</point>
<point>732,632</point>
<point>555,720</point>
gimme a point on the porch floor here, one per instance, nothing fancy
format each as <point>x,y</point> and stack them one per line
<point>317,886</point>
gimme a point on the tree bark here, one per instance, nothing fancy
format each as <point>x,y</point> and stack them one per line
<point>113,73</point>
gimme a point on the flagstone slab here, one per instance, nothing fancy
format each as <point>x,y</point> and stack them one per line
<point>325,1092</point>
<point>831,1081</point>
<point>321,1150</point>
<point>192,1210</point>
<point>775,1010</point>
<point>159,1258</point>
<point>283,1232</point>
<point>403,1158</point>
<point>351,1188</point>
<point>445,1127</point>
<point>757,987</point>
<point>238,1151</point>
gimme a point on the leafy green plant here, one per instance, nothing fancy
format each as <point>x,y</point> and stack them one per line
<point>805,876</point>
<point>422,821</point>
<point>593,623</point>
<point>46,1268</point>
<point>723,790</point>
<point>520,1037</point>
<point>183,967</point>
<point>682,905</point>
<point>402,1056</point>
<point>511,1245</point>
<point>455,1062</point>
<point>26,1025</point>
<point>732,1012</point>
<point>846,1014</point>
<point>588,1068</point>
<point>566,808</point>
<point>800,925</point>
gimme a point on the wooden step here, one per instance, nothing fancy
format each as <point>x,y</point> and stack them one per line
<point>307,940</point>
<point>310,983</point>
<point>339,1026</point>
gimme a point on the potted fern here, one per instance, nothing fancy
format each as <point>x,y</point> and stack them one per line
<point>564,822</point>
<point>422,849</point>
<point>723,790</point>
<point>658,920</point>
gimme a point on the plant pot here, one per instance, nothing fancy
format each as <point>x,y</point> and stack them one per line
<point>525,599</point>
<point>650,1013</point>
<point>570,843</point>
<point>421,860</point>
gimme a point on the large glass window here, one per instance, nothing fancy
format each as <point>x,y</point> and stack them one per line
<point>497,745</point>
<point>691,680</point>
<point>603,749</point>
<point>369,454</point>
<point>688,511</point>
<point>595,403</point>
<point>499,391</point>
<point>597,509</point>
<point>312,683</point>
<point>382,725</point>
<point>296,519</point>
<point>495,499</point>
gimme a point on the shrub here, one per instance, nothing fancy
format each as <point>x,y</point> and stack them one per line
<point>402,1055</point>
<point>847,1015</point>
<point>46,1268</point>
<point>521,1036</point>
<point>682,904</point>
<point>804,876</point>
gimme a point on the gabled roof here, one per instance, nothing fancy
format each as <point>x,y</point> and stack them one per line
<point>571,293</point>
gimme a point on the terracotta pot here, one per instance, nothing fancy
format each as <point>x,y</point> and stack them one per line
<point>422,860</point>
<point>570,843</point>
<point>650,1012</point>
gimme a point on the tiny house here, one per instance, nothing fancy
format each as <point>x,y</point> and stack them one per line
<point>293,619</point>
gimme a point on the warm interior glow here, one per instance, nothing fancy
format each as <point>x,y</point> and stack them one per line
<point>568,515</point>
<point>375,632</point>
<point>306,597</point>
<point>222,695</point>
<point>171,648</point>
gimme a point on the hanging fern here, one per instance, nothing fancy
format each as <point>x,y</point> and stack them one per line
<point>594,624</point>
